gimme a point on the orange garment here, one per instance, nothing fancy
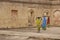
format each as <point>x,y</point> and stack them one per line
<point>48,20</point>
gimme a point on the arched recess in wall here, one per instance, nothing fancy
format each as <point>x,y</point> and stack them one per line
<point>14,14</point>
<point>45,13</point>
<point>47,17</point>
<point>56,17</point>
<point>31,17</point>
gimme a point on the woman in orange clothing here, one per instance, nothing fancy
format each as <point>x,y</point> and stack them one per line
<point>48,21</point>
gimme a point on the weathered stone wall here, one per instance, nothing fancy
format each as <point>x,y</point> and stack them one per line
<point>23,13</point>
<point>5,15</point>
<point>53,9</point>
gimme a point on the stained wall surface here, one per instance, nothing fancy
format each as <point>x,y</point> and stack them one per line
<point>23,16</point>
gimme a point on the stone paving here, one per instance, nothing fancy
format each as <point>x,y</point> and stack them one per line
<point>52,33</point>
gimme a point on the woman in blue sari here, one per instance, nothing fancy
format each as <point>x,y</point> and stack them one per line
<point>44,23</point>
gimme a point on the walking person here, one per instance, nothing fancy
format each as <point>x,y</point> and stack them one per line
<point>44,23</point>
<point>38,23</point>
<point>48,21</point>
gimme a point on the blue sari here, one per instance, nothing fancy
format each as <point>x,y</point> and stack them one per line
<point>44,22</point>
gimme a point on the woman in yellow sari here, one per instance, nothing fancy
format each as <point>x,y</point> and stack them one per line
<point>38,23</point>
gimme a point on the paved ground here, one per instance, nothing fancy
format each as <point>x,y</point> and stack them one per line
<point>27,33</point>
<point>51,30</point>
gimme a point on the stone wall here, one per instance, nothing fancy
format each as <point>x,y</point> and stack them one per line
<point>53,10</point>
<point>5,15</point>
<point>23,13</point>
